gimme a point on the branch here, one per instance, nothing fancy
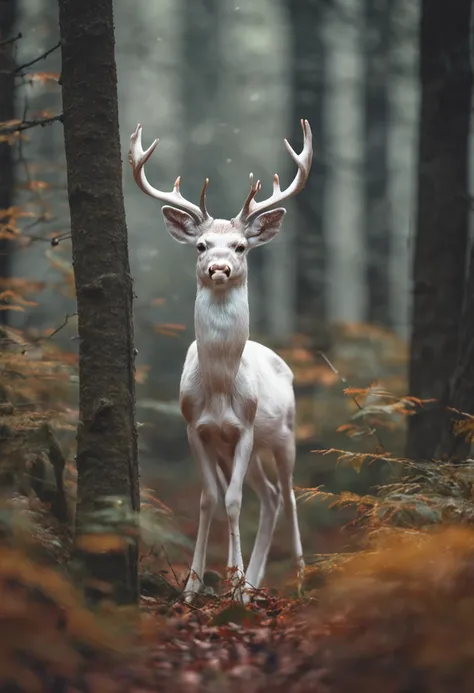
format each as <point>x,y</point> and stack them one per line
<point>7,42</point>
<point>67,317</point>
<point>36,60</point>
<point>27,124</point>
<point>38,340</point>
<point>36,192</point>
<point>373,431</point>
<point>56,240</point>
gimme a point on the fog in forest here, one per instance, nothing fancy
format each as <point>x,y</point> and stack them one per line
<point>222,84</point>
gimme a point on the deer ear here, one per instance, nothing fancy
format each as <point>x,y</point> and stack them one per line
<point>265,227</point>
<point>180,225</point>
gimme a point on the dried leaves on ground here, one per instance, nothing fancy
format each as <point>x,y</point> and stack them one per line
<point>397,616</point>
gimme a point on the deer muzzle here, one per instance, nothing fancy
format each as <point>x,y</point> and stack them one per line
<point>219,272</point>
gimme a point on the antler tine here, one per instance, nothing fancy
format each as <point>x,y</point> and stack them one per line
<point>302,160</point>
<point>250,197</point>
<point>138,158</point>
<point>202,199</point>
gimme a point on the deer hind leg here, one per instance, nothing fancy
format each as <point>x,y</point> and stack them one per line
<point>208,504</point>
<point>270,498</point>
<point>284,451</point>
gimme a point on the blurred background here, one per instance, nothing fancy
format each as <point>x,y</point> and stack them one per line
<point>222,84</point>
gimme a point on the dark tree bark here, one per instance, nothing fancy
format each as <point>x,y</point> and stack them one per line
<point>377,225</point>
<point>307,18</point>
<point>456,446</point>
<point>442,214</point>
<point>8,12</point>
<point>107,437</point>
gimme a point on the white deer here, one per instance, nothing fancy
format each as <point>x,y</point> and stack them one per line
<point>236,395</point>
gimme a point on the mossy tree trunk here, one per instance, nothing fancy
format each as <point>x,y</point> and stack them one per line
<point>107,438</point>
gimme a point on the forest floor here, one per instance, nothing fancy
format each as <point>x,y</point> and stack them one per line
<point>387,606</point>
<point>396,617</point>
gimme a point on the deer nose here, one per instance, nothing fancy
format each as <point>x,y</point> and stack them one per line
<point>223,268</point>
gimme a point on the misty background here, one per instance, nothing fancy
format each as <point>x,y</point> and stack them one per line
<point>222,84</point>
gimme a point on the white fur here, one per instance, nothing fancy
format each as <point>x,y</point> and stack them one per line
<point>236,395</point>
<point>237,398</point>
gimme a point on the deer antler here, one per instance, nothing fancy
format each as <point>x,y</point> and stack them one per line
<point>138,158</point>
<point>302,160</point>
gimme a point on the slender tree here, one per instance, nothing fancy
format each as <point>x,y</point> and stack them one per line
<point>308,61</point>
<point>376,49</point>
<point>8,12</point>
<point>107,437</point>
<point>456,442</point>
<point>442,214</point>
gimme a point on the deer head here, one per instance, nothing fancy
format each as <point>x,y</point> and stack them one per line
<point>222,245</point>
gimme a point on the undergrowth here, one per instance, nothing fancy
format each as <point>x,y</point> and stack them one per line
<point>395,615</point>
<point>49,638</point>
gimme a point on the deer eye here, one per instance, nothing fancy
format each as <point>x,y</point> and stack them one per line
<point>240,248</point>
<point>201,247</point>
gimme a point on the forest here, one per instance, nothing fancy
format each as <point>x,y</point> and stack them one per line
<point>133,463</point>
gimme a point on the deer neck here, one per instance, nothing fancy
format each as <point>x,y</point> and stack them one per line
<point>221,322</point>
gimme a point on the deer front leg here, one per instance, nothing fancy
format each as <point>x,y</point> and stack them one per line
<point>233,503</point>
<point>209,497</point>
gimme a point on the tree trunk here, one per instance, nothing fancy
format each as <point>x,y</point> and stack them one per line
<point>8,11</point>
<point>442,214</point>
<point>309,90</point>
<point>107,438</point>
<point>456,446</point>
<point>377,225</point>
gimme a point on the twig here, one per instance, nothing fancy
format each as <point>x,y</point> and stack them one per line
<point>67,317</point>
<point>56,240</point>
<point>180,599</point>
<point>373,431</point>
<point>38,340</point>
<point>34,237</point>
<point>7,42</point>
<point>28,124</point>
<point>36,60</point>
<point>171,567</point>
<point>36,193</point>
